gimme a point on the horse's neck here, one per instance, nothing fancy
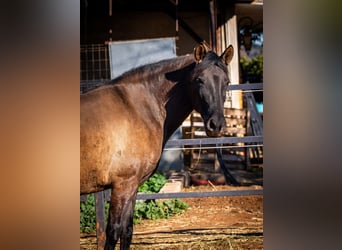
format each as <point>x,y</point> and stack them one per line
<point>179,102</point>
<point>168,83</point>
<point>178,109</point>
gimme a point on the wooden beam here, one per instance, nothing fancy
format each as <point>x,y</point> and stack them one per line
<point>212,9</point>
<point>186,27</point>
<point>100,220</point>
<point>231,37</point>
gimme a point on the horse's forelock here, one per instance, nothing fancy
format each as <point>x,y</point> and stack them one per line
<point>210,59</point>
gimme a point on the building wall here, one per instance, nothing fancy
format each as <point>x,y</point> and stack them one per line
<point>130,25</point>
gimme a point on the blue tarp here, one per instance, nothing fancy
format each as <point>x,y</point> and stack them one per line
<point>125,55</point>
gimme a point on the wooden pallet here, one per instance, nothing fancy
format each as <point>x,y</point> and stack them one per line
<point>237,124</point>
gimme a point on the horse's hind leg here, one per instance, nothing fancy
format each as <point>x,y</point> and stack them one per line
<point>113,230</point>
<point>120,219</point>
<point>127,225</point>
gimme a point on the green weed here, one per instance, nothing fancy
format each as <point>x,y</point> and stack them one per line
<point>150,209</point>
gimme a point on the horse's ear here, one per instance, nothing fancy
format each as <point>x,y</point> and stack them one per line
<point>200,51</point>
<point>227,55</point>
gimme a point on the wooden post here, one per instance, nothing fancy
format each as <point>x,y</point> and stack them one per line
<point>100,220</point>
<point>230,36</point>
<point>212,9</point>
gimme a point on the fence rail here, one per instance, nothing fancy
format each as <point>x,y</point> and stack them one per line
<point>214,141</point>
<point>90,84</point>
<point>202,194</point>
<point>246,86</point>
<point>155,196</point>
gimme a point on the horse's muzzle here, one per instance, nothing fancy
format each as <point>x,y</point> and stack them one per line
<point>214,126</point>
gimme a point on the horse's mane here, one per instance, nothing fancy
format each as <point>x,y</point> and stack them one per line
<point>152,70</point>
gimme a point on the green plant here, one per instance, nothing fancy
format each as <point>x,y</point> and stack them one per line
<point>149,209</point>
<point>87,214</point>
<point>153,184</point>
<point>154,210</point>
<point>252,70</point>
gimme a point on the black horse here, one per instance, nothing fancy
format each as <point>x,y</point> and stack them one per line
<point>126,123</point>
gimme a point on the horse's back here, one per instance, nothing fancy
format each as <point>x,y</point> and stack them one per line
<point>118,138</point>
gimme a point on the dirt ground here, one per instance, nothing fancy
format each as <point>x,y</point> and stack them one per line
<point>209,223</point>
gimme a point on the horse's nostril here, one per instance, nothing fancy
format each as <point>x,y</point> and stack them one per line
<point>212,125</point>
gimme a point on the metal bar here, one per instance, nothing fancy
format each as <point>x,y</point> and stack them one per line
<point>200,194</point>
<point>219,140</point>
<point>245,86</point>
<point>256,121</point>
<point>253,86</point>
<point>247,192</point>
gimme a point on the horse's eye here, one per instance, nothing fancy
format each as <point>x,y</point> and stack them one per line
<point>199,80</point>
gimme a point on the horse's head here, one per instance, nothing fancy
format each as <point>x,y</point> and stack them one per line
<point>209,82</point>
